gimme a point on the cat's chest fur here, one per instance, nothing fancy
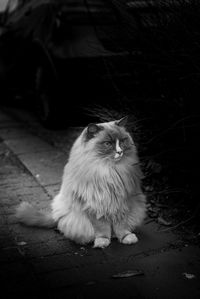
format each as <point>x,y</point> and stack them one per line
<point>100,188</point>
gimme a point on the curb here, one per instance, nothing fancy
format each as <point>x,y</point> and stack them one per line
<point>44,162</point>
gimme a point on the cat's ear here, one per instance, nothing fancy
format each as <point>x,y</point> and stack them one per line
<point>92,130</point>
<point>122,122</point>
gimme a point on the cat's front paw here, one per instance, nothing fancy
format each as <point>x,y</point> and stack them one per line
<point>101,242</point>
<point>129,239</point>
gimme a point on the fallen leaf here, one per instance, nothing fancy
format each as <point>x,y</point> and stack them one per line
<point>128,273</point>
<point>22,243</point>
<point>189,275</point>
<point>163,221</point>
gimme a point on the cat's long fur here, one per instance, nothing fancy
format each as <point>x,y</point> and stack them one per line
<point>97,197</point>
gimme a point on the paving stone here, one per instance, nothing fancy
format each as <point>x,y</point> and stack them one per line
<point>17,279</point>
<point>3,231</point>
<point>78,258</point>
<point>51,263</point>
<point>53,190</point>
<point>29,144</point>
<point>42,160</point>
<point>13,133</point>
<point>8,206</point>
<point>2,220</point>
<point>44,249</point>
<point>62,278</point>
<point>6,242</point>
<point>22,181</point>
<point>56,246</point>
<point>9,124</point>
<point>46,167</point>
<point>31,234</point>
<point>16,185</point>
<point>34,195</point>
<point>78,276</point>
<point>9,254</point>
<point>4,117</point>
<point>14,268</point>
<point>105,289</point>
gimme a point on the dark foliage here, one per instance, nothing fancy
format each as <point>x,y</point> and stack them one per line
<point>163,97</point>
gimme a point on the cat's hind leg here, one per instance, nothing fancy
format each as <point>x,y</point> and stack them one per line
<point>76,226</point>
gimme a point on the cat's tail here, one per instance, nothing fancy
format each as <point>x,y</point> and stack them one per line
<point>31,216</point>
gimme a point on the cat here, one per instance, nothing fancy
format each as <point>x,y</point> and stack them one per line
<point>100,195</point>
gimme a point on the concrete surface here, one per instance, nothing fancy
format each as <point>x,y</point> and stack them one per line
<point>38,263</point>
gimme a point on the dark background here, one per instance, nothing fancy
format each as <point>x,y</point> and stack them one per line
<point>155,81</point>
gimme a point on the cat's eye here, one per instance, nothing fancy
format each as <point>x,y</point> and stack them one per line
<point>124,140</point>
<point>107,143</point>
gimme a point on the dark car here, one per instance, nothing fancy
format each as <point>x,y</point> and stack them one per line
<point>62,55</point>
<point>66,56</point>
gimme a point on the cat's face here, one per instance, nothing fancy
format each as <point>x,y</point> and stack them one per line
<point>110,141</point>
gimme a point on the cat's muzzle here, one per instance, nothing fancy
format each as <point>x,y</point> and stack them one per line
<point>118,156</point>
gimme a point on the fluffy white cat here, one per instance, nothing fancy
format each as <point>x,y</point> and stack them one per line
<point>100,195</point>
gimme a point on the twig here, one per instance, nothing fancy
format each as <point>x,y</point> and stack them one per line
<point>174,125</point>
<point>182,222</point>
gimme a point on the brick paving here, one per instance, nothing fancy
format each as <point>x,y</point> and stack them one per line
<point>38,263</point>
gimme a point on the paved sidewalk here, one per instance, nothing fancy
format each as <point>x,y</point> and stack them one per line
<point>38,263</point>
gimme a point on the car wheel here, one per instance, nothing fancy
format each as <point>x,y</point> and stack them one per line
<point>45,90</point>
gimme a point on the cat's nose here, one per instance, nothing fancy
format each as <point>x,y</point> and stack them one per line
<point>119,152</point>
